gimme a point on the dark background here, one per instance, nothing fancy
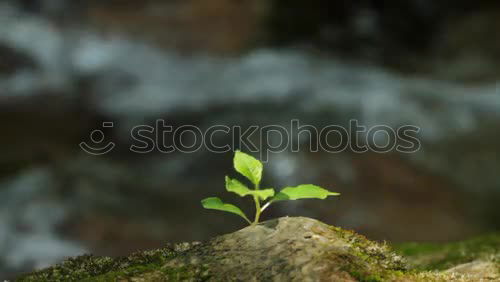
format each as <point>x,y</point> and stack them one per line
<point>68,66</point>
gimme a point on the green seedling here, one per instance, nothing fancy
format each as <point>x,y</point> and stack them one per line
<point>251,168</point>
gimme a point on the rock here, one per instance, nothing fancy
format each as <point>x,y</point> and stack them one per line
<point>432,256</point>
<point>478,270</point>
<point>476,259</point>
<point>283,249</point>
<point>298,249</point>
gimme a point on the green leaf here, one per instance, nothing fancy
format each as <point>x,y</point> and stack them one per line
<point>215,203</point>
<point>305,191</point>
<point>248,166</point>
<point>233,185</point>
<point>263,194</point>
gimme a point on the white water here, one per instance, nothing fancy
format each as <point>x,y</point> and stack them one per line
<point>137,81</point>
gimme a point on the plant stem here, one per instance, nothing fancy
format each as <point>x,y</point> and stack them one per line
<point>257,207</point>
<point>265,206</point>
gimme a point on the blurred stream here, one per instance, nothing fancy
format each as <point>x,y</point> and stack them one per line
<point>59,82</point>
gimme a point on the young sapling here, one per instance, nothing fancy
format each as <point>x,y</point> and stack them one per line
<point>252,168</point>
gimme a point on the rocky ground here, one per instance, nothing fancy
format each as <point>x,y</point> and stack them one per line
<point>290,249</point>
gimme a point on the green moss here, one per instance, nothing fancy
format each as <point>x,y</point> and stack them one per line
<point>125,273</point>
<point>362,277</point>
<point>425,259</point>
<point>87,266</point>
<point>432,256</point>
<point>370,261</point>
<point>153,272</point>
<point>186,273</point>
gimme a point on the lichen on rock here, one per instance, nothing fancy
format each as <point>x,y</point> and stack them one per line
<point>283,249</point>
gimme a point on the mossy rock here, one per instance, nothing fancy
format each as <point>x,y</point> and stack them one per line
<point>284,249</point>
<point>476,259</point>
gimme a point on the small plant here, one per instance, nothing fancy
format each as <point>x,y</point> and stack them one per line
<point>251,168</point>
